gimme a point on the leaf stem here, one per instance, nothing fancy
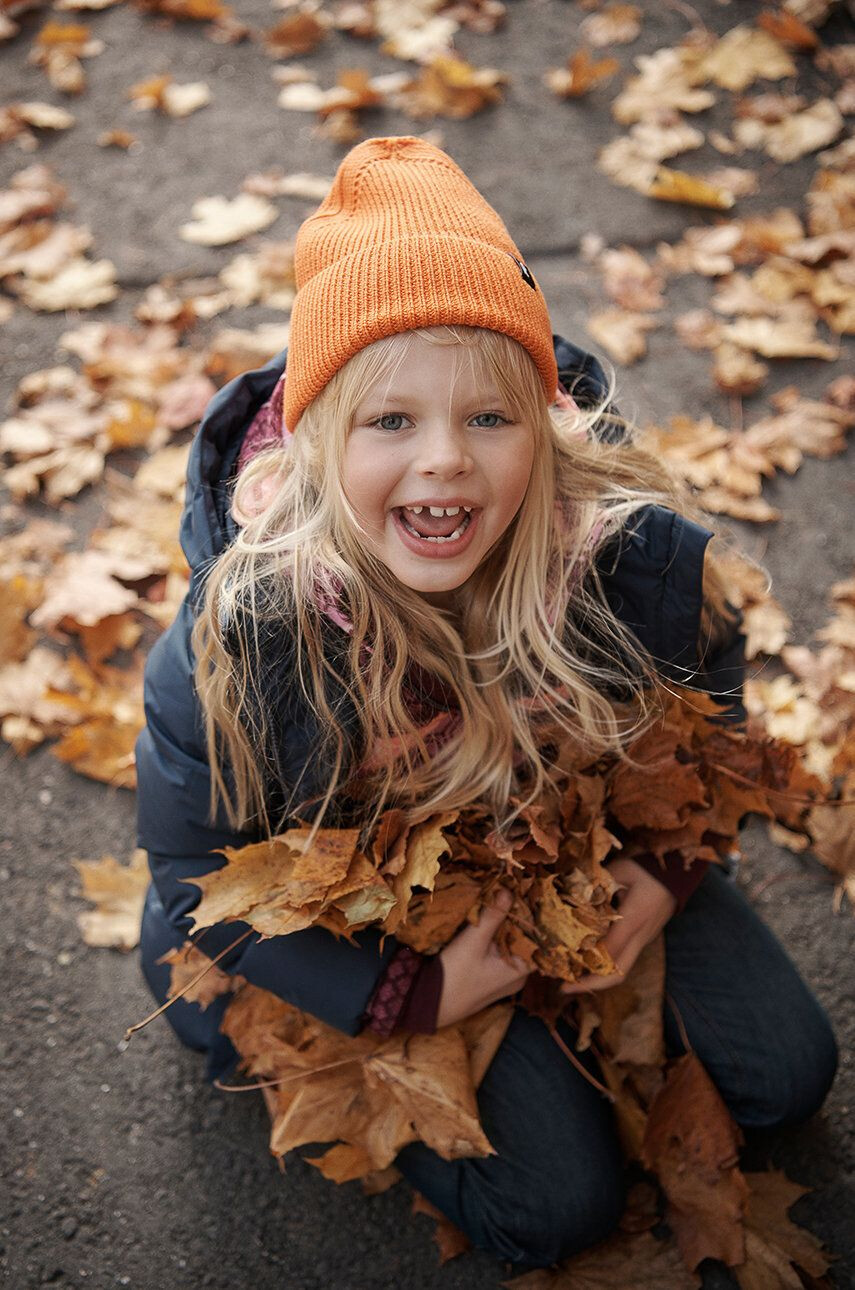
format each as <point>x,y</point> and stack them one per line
<point>198,977</point>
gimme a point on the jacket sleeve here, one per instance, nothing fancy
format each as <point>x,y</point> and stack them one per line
<point>328,977</point>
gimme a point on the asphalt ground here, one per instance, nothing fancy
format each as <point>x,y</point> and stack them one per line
<point>119,1166</point>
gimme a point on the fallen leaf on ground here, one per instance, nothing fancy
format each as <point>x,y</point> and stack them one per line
<point>118,894</point>
<point>218,220</point>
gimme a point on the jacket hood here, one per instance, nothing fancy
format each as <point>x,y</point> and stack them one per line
<point>207,526</point>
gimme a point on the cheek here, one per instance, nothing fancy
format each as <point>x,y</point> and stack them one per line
<point>516,473</point>
<point>366,486</point>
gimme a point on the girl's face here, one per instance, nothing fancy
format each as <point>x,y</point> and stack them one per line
<point>407,449</point>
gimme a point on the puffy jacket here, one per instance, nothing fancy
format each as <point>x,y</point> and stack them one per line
<point>652,578</point>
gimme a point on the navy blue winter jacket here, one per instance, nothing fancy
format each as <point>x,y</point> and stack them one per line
<point>652,580</point>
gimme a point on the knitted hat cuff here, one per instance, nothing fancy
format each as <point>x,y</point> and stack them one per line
<point>421,280</point>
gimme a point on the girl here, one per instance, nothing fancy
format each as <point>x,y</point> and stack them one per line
<point>441,527</point>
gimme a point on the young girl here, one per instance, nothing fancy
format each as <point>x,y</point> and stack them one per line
<point>441,528</point>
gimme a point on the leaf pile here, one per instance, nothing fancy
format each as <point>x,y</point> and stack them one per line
<point>688,783</point>
<point>683,791</point>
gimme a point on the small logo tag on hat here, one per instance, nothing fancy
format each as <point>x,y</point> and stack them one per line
<point>524,272</point>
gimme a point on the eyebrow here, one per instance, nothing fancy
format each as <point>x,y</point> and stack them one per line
<point>392,397</point>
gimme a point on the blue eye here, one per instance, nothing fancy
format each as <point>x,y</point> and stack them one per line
<point>394,416</point>
<point>399,416</point>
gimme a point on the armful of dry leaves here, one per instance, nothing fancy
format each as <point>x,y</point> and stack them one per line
<point>687,785</point>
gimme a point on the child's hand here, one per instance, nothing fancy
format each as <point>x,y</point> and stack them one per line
<point>474,972</point>
<point>645,905</point>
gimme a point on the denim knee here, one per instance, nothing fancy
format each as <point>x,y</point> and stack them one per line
<point>797,1076</point>
<point>559,1226</point>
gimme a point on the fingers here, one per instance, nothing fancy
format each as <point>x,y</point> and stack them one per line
<point>594,981</point>
<point>492,917</point>
<point>493,914</point>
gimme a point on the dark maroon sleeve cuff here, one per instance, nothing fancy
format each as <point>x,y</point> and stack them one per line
<point>422,1005</point>
<point>406,996</point>
<point>671,872</point>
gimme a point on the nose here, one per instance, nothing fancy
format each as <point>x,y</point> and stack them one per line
<point>444,451</point>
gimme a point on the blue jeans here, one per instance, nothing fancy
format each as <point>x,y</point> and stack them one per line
<point>557,1184</point>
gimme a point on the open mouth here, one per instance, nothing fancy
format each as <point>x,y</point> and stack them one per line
<point>437,544</point>
<point>438,538</point>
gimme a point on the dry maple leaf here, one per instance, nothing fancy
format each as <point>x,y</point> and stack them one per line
<point>79,284</point>
<point>626,1260</point>
<point>58,48</point>
<point>737,371</point>
<point>833,838</point>
<point>188,10</point>
<point>792,337</point>
<point>617,24</point>
<point>788,29</point>
<point>374,1094</point>
<point>106,715</point>
<point>218,220</point>
<point>772,1243</point>
<point>267,276</point>
<point>82,590</point>
<point>622,332</point>
<point>632,160</point>
<point>449,86</point>
<point>234,350</point>
<point>27,712</point>
<point>298,34</point>
<point>450,1240</point>
<point>739,57</point>
<point>187,963</point>
<point>692,1144</point>
<point>422,42</point>
<point>664,81</point>
<point>162,93</point>
<point>580,75</point>
<point>118,893</point>
<point>630,280</point>
<point>15,118</point>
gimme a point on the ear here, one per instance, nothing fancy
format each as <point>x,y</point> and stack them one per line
<point>255,500</point>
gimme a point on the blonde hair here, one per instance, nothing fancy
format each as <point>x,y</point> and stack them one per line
<point>532,640</point>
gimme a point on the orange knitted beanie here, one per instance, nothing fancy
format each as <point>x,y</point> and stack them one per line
<point>404,240</point>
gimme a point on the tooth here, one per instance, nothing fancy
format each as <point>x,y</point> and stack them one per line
<point>437,510</point>
<point>417,510</point>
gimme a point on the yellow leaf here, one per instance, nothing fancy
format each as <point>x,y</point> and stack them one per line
<point>118,893</point>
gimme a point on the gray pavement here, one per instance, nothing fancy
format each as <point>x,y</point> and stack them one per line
<point>119,1166</point>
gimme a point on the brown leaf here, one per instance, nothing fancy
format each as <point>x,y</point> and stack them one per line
<point>741,56</point>
<point>621,332</point>
<point>656,794</point>
<point>692,1144</point>
<point>618,24</point>
<point>272,884</point>
<point>218,220</point>
<point>638,1261</point>
<point>187,962</point>
<point>430,1078</point>
<point>118,893</point>
<point>772,1243</point>
<point>449,86</point>
<point>580,75</point>
<point>299,34</point>
<point>450,1240</point>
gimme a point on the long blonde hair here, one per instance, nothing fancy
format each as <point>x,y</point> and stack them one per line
<point>531,639</point>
